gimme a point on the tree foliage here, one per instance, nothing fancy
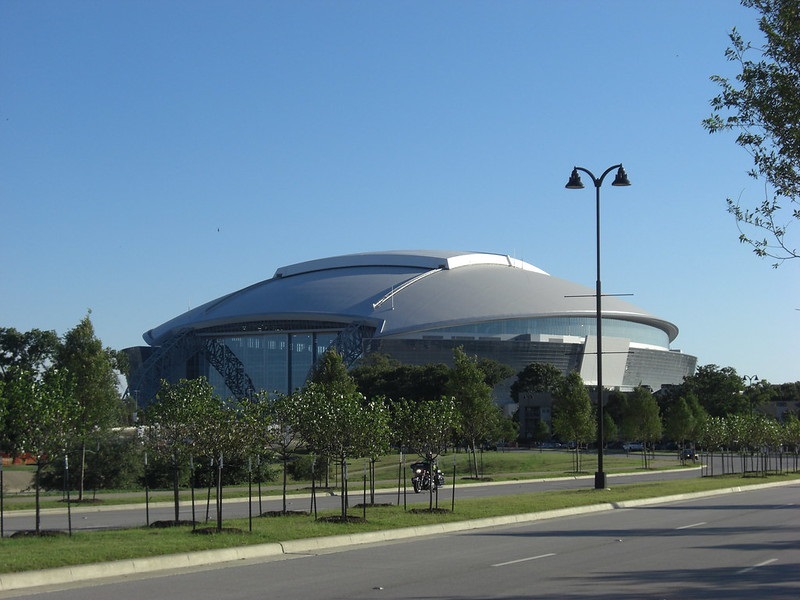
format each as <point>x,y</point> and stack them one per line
<point>641,419</point>
<point>719,390</point>
<point>91,368</point>
<point>335,420</point>
<point>763,106</point>
<point>382,376</point>
<point>536,378</point>
<point>41,414</point>
<point>473,396</point>
<point>29,351</point>
<point>494,371</point>
<point>573,416</point>
<point>176,427</point>
<point>424,426</point>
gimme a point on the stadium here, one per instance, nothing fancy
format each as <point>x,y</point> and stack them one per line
<point>415,306</point>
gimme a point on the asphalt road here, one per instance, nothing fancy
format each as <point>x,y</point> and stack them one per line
<point>734,546</point>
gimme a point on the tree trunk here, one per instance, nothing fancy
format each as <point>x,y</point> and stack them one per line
<point>372,481</point>
<point>219,493</point>
<point>38,500</point>
<point>175,490</point>
<point>285,465</point>
<point>344,488</point>
<point>83,470</point>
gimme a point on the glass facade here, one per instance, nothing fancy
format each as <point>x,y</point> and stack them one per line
<point>276,362</point>
<point>277,356</point>
<point>563,326</point>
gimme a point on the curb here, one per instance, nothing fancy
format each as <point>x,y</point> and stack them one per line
<point>155,564</point>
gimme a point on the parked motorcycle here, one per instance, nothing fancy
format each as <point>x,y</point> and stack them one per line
<point>421,478</point>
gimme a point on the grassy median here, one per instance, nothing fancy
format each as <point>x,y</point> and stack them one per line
<point>493,466</point>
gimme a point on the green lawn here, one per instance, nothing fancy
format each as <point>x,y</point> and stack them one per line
<point>493,466</point>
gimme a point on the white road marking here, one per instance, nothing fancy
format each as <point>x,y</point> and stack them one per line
<point>693,525</point>
<point>761,564</point>
<point>519,560</point>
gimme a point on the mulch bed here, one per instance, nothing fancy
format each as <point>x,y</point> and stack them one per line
<point>341,519</point>
<point>213,530</point>
<point>285,513</point>
<point>40,533</point>
<point>438,511</point>
<point>165,524</point>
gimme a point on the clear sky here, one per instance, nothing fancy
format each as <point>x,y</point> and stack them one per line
<point>155,155</point>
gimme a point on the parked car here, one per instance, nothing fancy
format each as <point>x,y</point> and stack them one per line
<point>633,446</point>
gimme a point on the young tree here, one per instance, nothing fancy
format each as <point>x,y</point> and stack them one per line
<point>92,369</point>
<point>219,433</point>
<point>174,425</point>
<point>338,425</point>
<point>270,427</point>
<point>424,426</point>
<point>713,436</point>
<point>41,414</point>
<point>679,423</point>
<point>541,433</point>
<point>573,416</point>
<point>336,421</point>
<point>763,106</point>
<point>474,401</point>
<point>377,436</point>
<point>641,419</point>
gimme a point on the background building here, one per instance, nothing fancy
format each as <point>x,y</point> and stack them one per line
<point>415,306</point>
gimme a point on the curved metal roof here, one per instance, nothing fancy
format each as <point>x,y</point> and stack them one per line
<point>405,291</point>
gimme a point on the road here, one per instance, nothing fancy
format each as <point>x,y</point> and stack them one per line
<point>735,546</point>
<point>104,517</point>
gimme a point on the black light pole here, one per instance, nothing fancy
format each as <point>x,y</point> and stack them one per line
<point>575,183</point>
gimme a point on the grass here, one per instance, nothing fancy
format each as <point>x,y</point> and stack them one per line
<point>494,466</point>
<point>83,547</point>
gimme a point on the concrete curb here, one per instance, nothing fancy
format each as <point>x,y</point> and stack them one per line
<point>82,573</point>
<point>150,564</point>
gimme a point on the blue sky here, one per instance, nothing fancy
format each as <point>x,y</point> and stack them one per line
<point>155,155</point>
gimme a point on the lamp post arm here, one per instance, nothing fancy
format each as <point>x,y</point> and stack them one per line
<point>598,181</point>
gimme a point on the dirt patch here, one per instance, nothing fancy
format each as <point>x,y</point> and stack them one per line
<point>84,501</point>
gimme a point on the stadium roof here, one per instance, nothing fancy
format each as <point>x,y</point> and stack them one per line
<point>403,291</point>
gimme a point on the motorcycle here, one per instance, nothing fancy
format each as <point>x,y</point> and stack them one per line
<point>422,480</point>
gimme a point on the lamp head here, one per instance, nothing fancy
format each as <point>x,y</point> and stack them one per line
<point>622,178</point>
<point>574,182</point>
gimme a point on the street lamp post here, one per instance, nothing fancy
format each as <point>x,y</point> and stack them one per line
<point>575,183</point>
